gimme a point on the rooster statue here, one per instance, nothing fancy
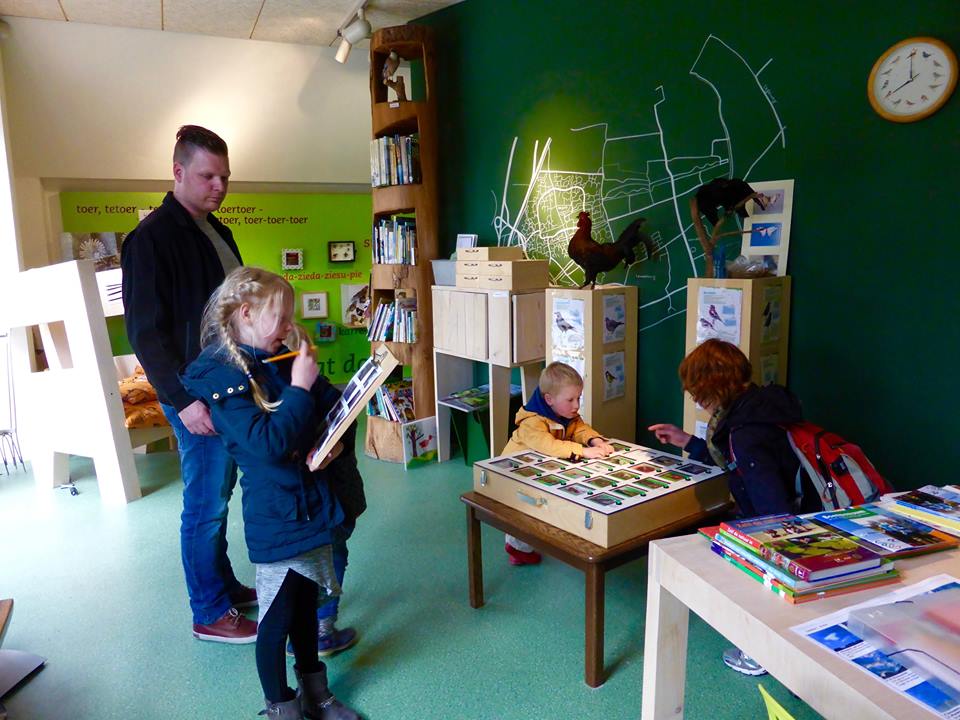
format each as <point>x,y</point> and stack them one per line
<point>596,258</point>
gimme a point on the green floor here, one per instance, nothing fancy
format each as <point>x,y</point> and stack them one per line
<point>99,593</point>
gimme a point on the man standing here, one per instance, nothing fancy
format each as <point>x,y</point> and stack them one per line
<point>172,262</point>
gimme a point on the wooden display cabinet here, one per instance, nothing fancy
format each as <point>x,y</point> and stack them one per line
<point>500,328</point>
<point>764,331</point>
<point>413,43</point>
<point>603,406</point>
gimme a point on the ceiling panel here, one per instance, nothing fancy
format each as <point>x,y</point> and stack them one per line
<point>40,9</point>
<point>144,14</point>
<point>308,22</point>
<point>226,18</point>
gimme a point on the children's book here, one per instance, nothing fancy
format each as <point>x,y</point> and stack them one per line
<point>738,551</point>
<point>942,503</point>
<point>884,532</point>
<point>475,398</point>
<point>419,442</point>
<point>371,375</point>
<point>803,548</point>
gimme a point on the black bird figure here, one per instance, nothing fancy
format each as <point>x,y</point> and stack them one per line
<point>725,192</point>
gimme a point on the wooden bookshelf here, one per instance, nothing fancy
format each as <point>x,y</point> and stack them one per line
<point>413,43</point>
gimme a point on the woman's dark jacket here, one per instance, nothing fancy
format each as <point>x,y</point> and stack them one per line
<point>287,509</point>
<point>764,479</point>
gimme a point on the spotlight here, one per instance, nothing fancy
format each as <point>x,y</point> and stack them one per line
<point>352,32</point>
<point>343,52</point>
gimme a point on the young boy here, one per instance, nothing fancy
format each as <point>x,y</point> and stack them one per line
<point>550,423</point>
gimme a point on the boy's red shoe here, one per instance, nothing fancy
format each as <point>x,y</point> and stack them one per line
<point>519,557</point>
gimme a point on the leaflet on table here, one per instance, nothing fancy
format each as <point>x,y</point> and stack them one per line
<point>832,633</point>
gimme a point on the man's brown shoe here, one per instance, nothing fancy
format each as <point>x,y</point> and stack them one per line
<point>232,628</point>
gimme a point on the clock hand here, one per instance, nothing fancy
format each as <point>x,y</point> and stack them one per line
<point>900,86</point>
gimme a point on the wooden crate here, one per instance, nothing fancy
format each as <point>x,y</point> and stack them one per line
<point>685,499</point>
<point>465,280</point>
<point>513,252</point>
<point>766,351</point>
<point>516,275</point>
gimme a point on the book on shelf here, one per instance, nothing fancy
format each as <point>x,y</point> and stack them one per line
<point>885,532</point>
<point>395,160</point>
<point>393,401</point>
<point>395,240</point>
<point>395,321</point>
<point>803,548</point>
<point>475,398</point>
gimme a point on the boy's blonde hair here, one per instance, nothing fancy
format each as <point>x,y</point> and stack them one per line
<point>260,289</point>
<point>558,375</point>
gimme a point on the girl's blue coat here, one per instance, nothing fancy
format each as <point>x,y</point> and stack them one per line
<point>287,510</point>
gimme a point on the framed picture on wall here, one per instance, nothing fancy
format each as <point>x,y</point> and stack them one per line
<point>314,305</point>
<point>767,229</point>
<point>291,259</point>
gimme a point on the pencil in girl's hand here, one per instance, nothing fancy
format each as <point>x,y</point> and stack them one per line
<point>284,356</point>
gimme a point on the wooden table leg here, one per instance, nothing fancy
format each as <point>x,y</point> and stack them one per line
<point>665,649</point>
<point>474,558</point>
<point>594,625</point>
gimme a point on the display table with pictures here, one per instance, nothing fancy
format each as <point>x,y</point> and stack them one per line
<point>606,501</point>
<point>685,576</point>
<point>594,516</point>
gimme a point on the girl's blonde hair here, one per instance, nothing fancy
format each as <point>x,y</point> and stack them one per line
<point>260,289</point>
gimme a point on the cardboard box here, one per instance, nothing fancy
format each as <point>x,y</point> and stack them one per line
<point>604,525</point>
<point>513,252</point>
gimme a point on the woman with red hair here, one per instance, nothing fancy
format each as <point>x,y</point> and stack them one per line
<point>745,436</point>
<point>746,432</point>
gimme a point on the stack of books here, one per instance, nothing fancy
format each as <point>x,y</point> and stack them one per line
<point>395,321</point>
<point>395,160</point>
<point>395,240</point>
<point>393,401</point>
<point>938,507</point>
<point>885,532</point>
<point>799,559</point>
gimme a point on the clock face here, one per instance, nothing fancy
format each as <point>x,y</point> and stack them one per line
<point>342,251</point>
<point>913,79</point>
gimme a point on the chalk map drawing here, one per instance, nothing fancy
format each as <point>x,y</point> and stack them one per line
<point>643,175</point>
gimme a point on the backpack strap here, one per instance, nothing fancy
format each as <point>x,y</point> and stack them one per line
<point>824,470</point>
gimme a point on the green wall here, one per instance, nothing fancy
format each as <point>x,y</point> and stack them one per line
<point>263,224</point>
<point>874,248</point>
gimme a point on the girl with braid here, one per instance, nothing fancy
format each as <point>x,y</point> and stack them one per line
<point>267,415</point>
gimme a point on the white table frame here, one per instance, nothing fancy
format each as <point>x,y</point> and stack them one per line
<point>684,576</point>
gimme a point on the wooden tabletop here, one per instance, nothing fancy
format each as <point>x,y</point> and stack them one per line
<point>569,547</point>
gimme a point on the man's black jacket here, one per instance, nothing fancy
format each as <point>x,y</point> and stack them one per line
<point>170,268</point>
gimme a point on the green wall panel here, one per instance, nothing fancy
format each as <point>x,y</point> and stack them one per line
<point>263,224</point>
<point>873,244</point>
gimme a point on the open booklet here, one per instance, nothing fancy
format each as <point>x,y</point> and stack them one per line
<point>371,375</point>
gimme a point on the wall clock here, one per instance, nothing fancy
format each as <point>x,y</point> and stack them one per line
<point>913,79</point>
<point>343,251</point>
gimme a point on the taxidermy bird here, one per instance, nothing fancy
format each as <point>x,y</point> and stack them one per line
<point>390,66</point>
<point>612,324</point>
<point>561,322</point>
<point>596,258</point>
<point>725,192</point>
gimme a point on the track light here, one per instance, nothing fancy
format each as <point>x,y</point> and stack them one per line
<point>353,33</point>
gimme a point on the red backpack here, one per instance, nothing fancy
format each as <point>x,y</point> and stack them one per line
<point>840,472</point>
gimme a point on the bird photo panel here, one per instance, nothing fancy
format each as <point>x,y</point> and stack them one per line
<point>614,318</point>
<point>766,236</point>
<point>567,331</point>
<point>614,377</point>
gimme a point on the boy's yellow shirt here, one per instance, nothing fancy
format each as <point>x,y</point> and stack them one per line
<point>535,432</point>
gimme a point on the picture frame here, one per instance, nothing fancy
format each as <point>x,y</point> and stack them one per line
<point>766,237</point>
<point>292,259</point>
<point>466,240</point>
<point>314,305</point>
<point>341,251</point>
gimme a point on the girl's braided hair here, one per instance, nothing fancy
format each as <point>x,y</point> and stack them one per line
<point>260,289</point>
